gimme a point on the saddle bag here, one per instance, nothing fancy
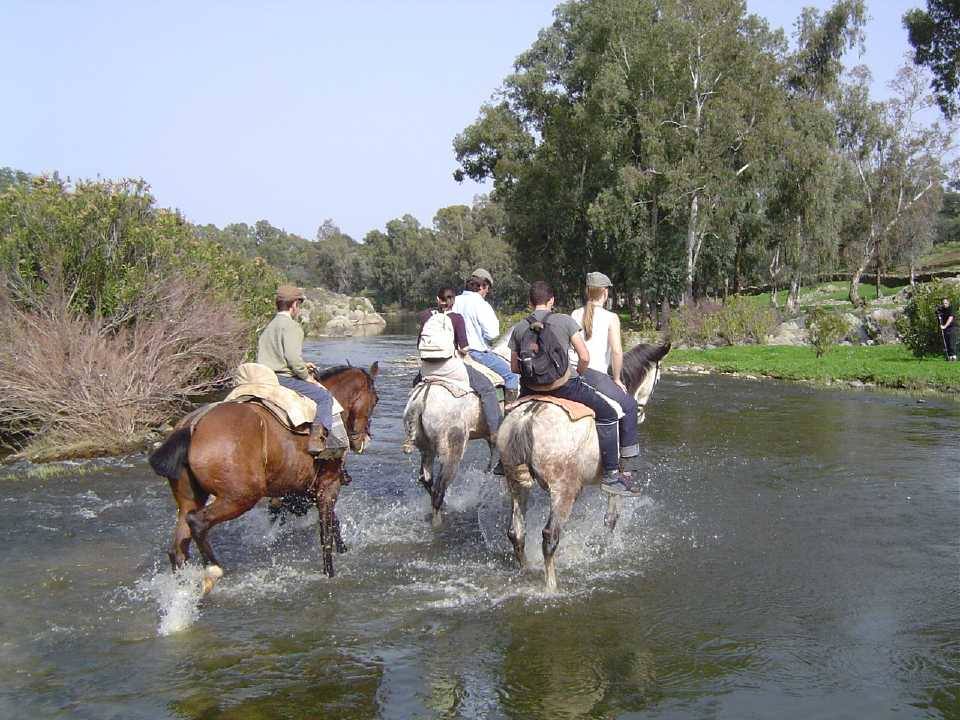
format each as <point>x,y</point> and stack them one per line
<point>544,360</point>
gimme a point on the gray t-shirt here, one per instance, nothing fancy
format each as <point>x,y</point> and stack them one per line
<point>564,326</point>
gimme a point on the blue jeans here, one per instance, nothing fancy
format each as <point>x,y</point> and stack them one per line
<point>318,394</point>
<point>488,358</point>
<point>606,420</point>
<point>603,383</point>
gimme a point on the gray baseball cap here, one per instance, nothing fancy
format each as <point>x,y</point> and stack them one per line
<point>598,280</point>
<point>483,275</point>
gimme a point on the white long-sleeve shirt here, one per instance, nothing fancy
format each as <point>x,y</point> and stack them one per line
<point>479,318</point>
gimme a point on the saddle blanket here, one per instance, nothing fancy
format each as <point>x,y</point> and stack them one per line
<point>485,371</point>
<point>575,411</point>
<point>255,381</point>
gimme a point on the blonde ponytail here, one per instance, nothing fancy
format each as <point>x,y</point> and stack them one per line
<point>594,296</point>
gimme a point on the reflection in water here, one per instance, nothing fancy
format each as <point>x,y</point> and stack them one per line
<point>795,556</point>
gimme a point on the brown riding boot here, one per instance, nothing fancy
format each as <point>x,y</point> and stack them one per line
<point>318,440</point>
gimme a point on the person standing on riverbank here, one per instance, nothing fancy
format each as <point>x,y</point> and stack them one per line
<point>280,348</point>
<point>948,326</point>
<point>483,327</point>
<point>601,332</point>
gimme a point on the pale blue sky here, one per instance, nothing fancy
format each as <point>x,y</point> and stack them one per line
<point>288,111</point>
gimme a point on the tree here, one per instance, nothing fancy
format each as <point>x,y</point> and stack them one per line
<point>935,37</point>
<point>628,127</point>
<point>896,160</point>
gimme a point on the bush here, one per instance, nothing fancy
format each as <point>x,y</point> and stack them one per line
<point>918,326</point>
<point>737,322</point>
<point>826,329</point>
<point>73,384</point>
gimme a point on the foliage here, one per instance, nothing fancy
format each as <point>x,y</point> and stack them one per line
<point>71,382</point>
<point>935,37</point>
<point>735,322</point>
<point>918,327</point>
<point>106,242</point>
<point>826,328</point>
<point>890,366</point>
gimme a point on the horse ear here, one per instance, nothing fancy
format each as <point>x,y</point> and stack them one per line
<point>375,368</point>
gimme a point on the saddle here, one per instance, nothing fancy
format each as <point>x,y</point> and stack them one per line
<point>458,391</point>
<point>575,411</point>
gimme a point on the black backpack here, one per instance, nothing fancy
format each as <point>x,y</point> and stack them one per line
<point>543,357</point>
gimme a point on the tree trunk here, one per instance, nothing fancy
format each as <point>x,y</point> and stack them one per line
<point>793,298</point>
<point>854,295</point>
<point>913,273</point>
<point>879,291</point>
<point>693,248</point>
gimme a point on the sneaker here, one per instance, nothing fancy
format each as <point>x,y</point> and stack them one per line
<point>618,482</point>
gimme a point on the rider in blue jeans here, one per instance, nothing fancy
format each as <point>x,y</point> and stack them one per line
<point>483,327</point>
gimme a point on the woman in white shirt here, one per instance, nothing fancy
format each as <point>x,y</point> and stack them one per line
<point>601,331</point>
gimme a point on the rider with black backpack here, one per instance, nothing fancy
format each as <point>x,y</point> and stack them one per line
<point>539,350</point>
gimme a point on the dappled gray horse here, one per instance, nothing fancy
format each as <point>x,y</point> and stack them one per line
<point>539,442</point>
<point>439,422</point>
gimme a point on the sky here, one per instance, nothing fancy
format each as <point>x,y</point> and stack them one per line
<point>292,112</point>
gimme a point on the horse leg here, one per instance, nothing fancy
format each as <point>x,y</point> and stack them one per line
<point>561,503</point>
<point>613,512</point>
<point>201,521</point>
<point>519,494</point>
<point>329,525</point>
<point>449,464</point>
<point>426,469</point>
<point>188,498</point>
<point>338,543</point>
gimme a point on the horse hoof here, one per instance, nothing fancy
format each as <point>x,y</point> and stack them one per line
<point>211,574</point>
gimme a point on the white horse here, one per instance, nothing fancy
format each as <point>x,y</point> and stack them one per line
<point>439,421</point>
<point>538,442</point>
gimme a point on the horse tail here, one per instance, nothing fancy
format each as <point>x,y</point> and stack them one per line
<point>170,458</point>
<point>518,448</point>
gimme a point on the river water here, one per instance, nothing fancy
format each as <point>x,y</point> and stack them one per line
<point>795,556</point>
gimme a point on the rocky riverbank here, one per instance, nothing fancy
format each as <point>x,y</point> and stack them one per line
<point>329,314</point>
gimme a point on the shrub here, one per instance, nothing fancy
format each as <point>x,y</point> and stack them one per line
<point>742,321</point>
<point>71,382</point>
<point>918,326</point>
<point>826,329</point>
<point>736,322</point>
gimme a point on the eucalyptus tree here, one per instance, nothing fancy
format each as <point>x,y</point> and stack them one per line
<point>897,160</point>
<point>934,34</point>
<point>803,203</point>
<point>628,128</point>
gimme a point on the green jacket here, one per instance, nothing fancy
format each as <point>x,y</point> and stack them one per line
<point>280,347</point>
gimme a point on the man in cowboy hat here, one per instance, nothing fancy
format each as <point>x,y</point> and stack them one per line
<point>482,327</point>
<point>280,348</point>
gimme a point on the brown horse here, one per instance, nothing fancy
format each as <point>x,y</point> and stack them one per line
<point>239,453</point>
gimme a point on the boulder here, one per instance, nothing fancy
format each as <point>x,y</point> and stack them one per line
<point>856,332</point>
<point>339,326</point>
<point>881,325</point>
<point>790,332</point>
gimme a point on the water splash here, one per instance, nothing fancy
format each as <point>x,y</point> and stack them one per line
<point>177,596</point>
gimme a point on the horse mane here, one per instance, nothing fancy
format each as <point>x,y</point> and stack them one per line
<point>637,362</point>
<point>329,372</point>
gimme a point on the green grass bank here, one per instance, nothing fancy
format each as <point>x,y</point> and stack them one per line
<point>888,366</point>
